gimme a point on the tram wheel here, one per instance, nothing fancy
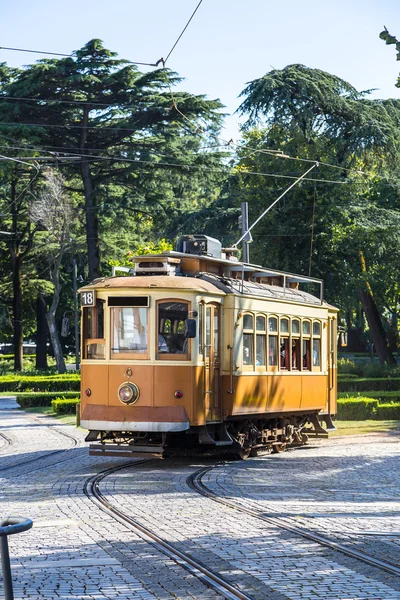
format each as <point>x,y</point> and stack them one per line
<point>279,447</point>
<point>244,453</point>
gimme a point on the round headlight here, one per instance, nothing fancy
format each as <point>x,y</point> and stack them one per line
<point>128,393</point>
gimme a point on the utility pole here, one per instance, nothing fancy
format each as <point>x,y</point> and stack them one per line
<point>246,234</point>
<point>76,321</point>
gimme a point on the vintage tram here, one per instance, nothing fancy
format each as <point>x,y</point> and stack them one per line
<point>195,351</point>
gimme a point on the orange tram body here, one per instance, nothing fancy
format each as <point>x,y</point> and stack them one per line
<point>197,351</point>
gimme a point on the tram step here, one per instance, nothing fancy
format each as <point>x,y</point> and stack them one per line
<point>125,450</point>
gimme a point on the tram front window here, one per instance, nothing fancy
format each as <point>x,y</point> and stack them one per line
<point>171,337</point>
<point>93,331</point>
<point>130,331</point>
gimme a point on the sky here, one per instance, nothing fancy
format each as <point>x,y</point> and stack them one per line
<point>227,44</point>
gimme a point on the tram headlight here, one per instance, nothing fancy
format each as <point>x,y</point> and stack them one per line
<point>128,393</point>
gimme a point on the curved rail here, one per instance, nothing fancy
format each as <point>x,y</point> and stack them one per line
<point>52,453</point>
<point>10,526</point>
<point>208,577</point>
<point>194,482</point>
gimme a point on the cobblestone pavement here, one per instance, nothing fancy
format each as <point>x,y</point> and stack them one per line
<point>345,488</point>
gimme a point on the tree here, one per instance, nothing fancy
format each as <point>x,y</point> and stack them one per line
<point>17,184</point>
<point>113,122</point>
<point>53,210</point>
<point>390,39</point>
<point>314,116</point>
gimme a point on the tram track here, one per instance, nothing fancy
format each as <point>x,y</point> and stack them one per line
<point>204,574</point>
<point>194,481</point>
<point>73,443</point>
<point>6,441</point>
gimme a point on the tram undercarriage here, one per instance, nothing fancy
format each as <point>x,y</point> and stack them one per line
<point>237,436</point>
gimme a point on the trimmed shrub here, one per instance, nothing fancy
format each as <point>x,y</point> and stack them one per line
<point>347,376</point>
<point>387,411</point>
<point>381,395</point>
<point>30,400</point>
<point>65,406</point>
<point>345,365</point>
<point>356,409</point>
<point>368,384</point>
<point>39,383</point>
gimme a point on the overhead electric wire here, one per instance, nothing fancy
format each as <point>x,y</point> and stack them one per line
<point>133,62</point>
<point>181,34</point>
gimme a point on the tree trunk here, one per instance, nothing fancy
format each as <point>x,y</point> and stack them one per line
<point>41,333</point>
<point>17,311</point>
<point>55,341</point>
<point>378,335</point>
<point>92,225</point>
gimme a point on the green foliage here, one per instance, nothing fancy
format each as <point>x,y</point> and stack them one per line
<point>30,400</point>
<point>381,395</point>
<point>10,383</point>
<point>359,408</point>
<point>387,411</point>
<point>391,39</point>
<point>141,250</point>
<point>65,406</point>
<point>347,366</point>
<point>368,384</point>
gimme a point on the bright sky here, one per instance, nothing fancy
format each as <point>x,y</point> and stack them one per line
<point>228,42</point>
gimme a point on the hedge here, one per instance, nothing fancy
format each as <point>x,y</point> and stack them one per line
<point>368,384</point>
<point>380,395</point>
<point>387,411</point>
<point>39,383</point>
<point>356,409</point>
<point>65,406</point>
<point>30,400</point>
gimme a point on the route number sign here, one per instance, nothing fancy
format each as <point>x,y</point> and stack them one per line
<point>88,299</point>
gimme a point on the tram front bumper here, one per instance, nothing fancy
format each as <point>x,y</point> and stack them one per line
<point>135,418</point>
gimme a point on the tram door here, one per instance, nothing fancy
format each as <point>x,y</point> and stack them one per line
<point>212,363</point>
<point>332,342</point>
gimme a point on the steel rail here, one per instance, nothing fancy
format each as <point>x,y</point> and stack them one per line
<point>52,453</point>
<point>7,440</point>
<point>194,482</point>
<point>196,568</point>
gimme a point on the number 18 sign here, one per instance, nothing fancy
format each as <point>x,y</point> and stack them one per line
<point>88,298</point>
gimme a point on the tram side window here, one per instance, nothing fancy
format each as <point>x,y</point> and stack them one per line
<point>171,330</point>
<point>316,345</point>
<point>306,346</point>
<point>284,344</point>
<point>295,345</point>
<point>93,331</point>
<point>261,336</point>
<point>272,342</point>
<point>201,342</point>
<point>129,331</point>
<point>248,339</point>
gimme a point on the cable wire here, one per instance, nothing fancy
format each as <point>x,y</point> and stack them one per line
<point>133,62</point>
<point>182,32</point>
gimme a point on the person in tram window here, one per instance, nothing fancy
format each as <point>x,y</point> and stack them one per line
<point>162,344</point>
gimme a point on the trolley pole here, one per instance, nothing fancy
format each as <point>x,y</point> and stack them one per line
<point>247,238</point>
<point>76,314</point>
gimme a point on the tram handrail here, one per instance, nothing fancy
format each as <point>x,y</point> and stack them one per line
<point>10,526</point>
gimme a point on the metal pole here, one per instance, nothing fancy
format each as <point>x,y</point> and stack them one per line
<point>6,569</point>
<point>76,314</point>
<point>245,226</point>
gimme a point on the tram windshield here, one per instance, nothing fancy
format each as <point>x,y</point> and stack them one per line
<point>130,330</point>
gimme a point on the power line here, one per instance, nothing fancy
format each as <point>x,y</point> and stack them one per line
<point>133,62</point>
<point>138,101</point>
<point>181,34</point>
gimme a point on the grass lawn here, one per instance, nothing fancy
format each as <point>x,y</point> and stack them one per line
<point>357,427</point>
<point>47,410</point>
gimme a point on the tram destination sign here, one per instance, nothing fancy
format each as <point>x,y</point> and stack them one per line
<point>88,298</point>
